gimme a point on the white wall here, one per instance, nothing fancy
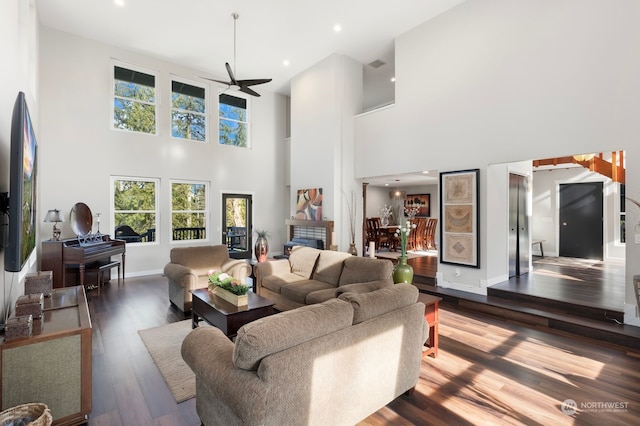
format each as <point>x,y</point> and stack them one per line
<point>19,52</point>
<point>497,81</point>
<point>80,152</point>
<point>324,99</point>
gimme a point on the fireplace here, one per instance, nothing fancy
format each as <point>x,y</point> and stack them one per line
<point>307,242</point>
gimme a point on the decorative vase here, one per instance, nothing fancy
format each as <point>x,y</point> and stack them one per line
<point>402,271</point>
<point>234,299</point>
<point>384,221</point>
<point>352,249</point>
<point>261,249</point>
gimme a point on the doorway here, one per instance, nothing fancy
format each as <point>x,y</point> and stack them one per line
<point>519,242</point>
<point>236,225</point>
<point>581,220</point>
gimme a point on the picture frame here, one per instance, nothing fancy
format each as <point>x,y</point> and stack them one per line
<point>460,218</point>
<point>421,201</point>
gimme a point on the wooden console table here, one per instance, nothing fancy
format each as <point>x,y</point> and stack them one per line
<point>53,367</point>
<point>431,304</point>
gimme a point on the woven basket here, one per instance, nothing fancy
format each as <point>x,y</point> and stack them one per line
<point>27,415</point>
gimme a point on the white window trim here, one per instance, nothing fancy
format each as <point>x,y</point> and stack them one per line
<point>112,215</point>
<point>207,113</point>
<point>207,214</point>
<point>237,94</point>
<point>114,63</point>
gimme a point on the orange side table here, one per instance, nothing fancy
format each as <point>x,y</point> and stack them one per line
<point>431,304</point>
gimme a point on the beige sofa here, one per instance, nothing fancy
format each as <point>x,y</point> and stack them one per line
<point>189,269</point>
<point>332,363</point>
<point>312,276</point>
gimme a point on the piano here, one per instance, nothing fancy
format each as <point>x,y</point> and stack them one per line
<point>68,259</point>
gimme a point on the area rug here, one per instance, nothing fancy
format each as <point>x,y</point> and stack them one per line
<point>163,344</point>
<point>566,261</point>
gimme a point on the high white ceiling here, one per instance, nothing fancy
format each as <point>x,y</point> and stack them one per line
<point>198,34</point>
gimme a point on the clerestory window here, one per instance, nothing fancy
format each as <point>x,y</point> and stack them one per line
<point>233,120</point>
<point>134,100</point>
<point>188,111</point>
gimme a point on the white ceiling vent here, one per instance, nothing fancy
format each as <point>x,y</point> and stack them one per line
<point>376,64</point>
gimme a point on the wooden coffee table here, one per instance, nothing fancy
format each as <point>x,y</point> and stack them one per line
<point>224,315</point>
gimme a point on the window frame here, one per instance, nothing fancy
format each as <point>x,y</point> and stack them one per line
<point>206,212</point>
<point>206,114</point>
<point>113,212</point>
<point>247,121</point>
<point>158,96</point>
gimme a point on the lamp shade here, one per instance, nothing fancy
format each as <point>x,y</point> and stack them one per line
<point>54,215</point>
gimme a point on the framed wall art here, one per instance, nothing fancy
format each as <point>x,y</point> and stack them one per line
<point>459,218</point>
<point>420,202</point>
<point>309,204</point>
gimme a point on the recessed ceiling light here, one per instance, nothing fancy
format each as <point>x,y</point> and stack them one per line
<point>119,3</point>
<point>386,184</point>
<point>426,172</point>
<point>393,79</point>
<point>285,62</point>
<point>337,28</point>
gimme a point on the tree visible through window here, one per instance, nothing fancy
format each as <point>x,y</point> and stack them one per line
<point>134,100</point>
<point>188,111</point>
<point>188,211</point>
<point>135,209</point>
<point>233,120</point>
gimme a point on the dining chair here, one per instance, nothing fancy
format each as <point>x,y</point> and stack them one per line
<point>431,233</point>
<point>420,235</point>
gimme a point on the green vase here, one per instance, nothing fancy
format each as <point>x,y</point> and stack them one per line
<point>403,272</point>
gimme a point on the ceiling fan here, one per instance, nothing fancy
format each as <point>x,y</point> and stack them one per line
<point>241,85</point>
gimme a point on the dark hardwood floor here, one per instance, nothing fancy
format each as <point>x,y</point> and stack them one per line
<point>489,370</point>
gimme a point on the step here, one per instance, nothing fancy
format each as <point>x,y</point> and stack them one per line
<point>622,336</point>
<point>578,309</point>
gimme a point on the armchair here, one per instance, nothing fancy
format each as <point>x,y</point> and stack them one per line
<point>189,268</point>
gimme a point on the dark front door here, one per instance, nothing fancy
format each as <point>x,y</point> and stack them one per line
<point>581,224</point>
<point>236,225</point>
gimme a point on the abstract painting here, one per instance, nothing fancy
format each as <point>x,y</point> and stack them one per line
<point>309,204</point>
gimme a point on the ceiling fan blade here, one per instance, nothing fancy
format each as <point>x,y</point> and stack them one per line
<point>249,91</point>
<point>228,83</point>
<point>231,76</point>
<point>253,82</point>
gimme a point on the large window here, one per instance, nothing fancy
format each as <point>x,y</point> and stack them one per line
<point>134,100</point>
<point>234,120</point>
<point>188,111</point>
<point>188,211</point>
<point>135,209</point>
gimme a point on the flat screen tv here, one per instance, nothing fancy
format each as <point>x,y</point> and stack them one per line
<point>22,188</point>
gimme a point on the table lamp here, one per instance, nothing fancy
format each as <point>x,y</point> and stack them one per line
<point>55,216</point>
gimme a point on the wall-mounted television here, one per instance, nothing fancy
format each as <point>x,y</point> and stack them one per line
<point>22,188</point>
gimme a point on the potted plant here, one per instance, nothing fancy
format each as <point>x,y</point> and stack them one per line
<point>262,245</point>
<point>229,288</point>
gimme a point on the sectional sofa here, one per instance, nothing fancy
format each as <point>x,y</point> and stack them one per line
<point>330,363</point>
<point>311,276</point>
